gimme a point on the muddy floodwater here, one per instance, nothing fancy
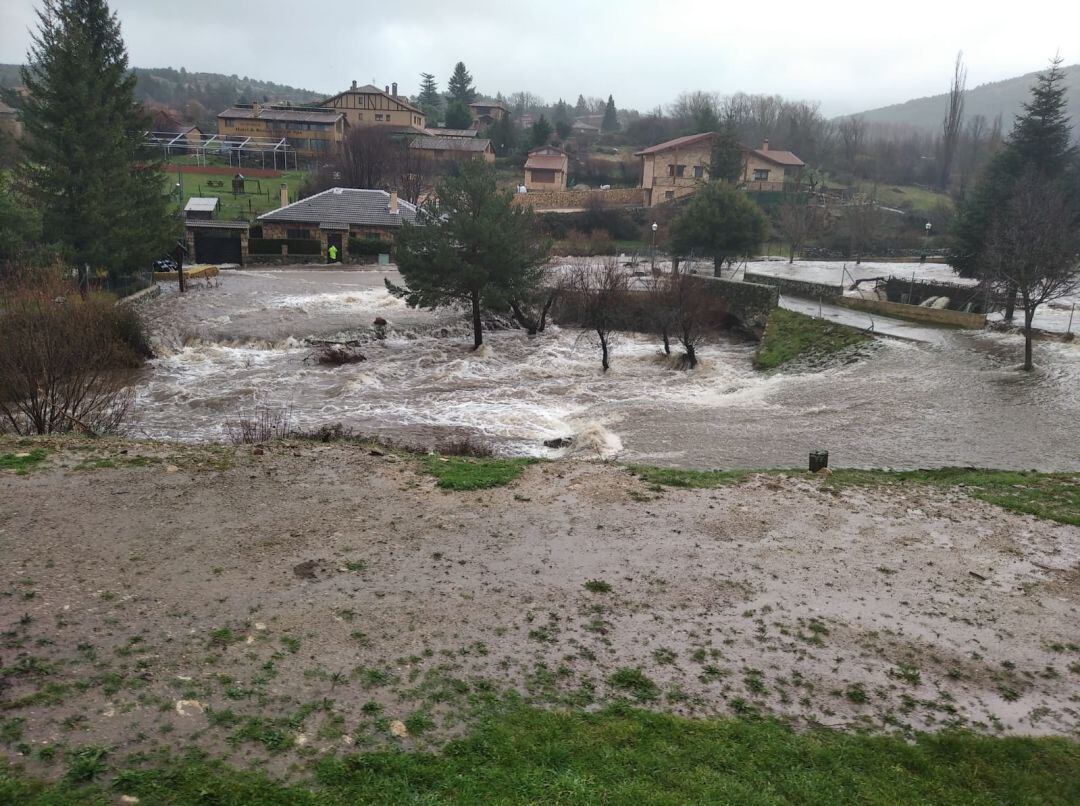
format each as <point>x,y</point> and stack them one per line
<point>225,350</point>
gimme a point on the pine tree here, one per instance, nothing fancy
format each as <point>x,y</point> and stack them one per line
<point>727,159</point>
<point>503,135</point>
<point>429,100</point>
<point>541,132</point>
<point>471,246</point>
<point>581,108</point>
<point>460,87</point>
<point>720,221</point>
<point>85,164</point>
<point>458,115</point>
<point>560,112</point>
<point>1039,145</point>
<point>611,117</point>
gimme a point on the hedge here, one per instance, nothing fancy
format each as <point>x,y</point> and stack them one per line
<point>368,246</point>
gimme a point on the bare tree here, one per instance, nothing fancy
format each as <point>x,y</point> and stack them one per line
<point>368,158</point>
<point>415,171</point>
<point>798,219</point>
<point>1034,246</point>
<point>862,223</point>
<point>531,311</point>
<point>695,312</point>
<point>599,294</point>
<point>852,132</point>
<point>954,119</point>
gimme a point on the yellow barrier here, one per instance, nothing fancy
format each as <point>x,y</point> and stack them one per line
<point>190,273</point>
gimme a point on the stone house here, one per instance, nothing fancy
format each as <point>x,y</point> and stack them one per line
<point>677,168</point>
<point>210,240</point>
<point>487,113</point>
<point>311,131</point>
<point>369,106</point>
<point>337,214</point>
<point>453,149</point>
<point>546,169</point>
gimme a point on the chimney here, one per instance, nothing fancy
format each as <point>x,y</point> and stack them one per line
<point>256,108</point>
<point>765,145</point>
<point>386,89</point>
<point>394,87</point>
<point>354,83</point>
<point>393,202</point>
<point>284,194</point>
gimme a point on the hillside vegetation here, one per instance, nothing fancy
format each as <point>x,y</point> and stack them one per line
<point>990,100</point>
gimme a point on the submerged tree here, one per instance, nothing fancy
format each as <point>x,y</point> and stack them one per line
<point>471,247</point>
<point>85,162</point>
<point>599,294</point>
<point>1034,248</point>
<point>720,221</point>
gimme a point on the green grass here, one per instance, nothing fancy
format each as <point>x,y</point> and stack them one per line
<point>1052,496</point>
<point>690,479</point>
<point>22,464</point>
<point>790,335</point>
<point>622,755</point>
<point>469,473</point>
<point>245,207</point>
<point>908,197</point>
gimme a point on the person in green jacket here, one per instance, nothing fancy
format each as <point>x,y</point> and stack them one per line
<point>333,254</point>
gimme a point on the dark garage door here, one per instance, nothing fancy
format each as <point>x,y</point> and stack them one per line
<point>218,247</point>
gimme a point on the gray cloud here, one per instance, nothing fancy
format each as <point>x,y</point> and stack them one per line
<point>848,55</point>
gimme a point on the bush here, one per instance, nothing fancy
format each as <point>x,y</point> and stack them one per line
<point>265,424</point>
<point>61,356</point>
<point>368,247</point>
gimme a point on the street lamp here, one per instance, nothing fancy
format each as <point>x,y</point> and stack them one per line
<point>654,229</point>
<point>926,249</point>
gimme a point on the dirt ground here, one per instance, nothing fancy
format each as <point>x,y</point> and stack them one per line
<point>270,608</point>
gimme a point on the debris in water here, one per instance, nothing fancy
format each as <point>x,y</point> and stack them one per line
<point>559,442</point>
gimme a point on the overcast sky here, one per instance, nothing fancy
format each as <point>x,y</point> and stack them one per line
<point>849,56</point>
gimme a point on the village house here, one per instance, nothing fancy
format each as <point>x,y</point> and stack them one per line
<point>370,106</point>
<point>9,122</point>
<point>336,215</point>
<point>679,167</point>
<point>546,169</point>
<point>443,132</point>
<point>487,113</point>
<point>453,149</point>
<point>313,132</point>
<point>210,240</point>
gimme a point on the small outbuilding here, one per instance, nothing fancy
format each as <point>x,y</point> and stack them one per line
<point>201,208</point>
<point>546,169</point>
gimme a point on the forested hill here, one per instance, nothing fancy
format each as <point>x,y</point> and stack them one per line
<point>196,97</point>
<point>990,100</point>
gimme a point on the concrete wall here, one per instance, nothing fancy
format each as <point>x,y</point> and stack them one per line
<point>578,199</point>
<point>796,288</point>
<point>933,316</point>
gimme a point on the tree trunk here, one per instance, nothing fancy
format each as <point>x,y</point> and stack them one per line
<point>1010,302</point>
<point>604,350</point>
<point>691,355</point>
<point>791,259</point>
<point>477,325</point>
<point>667,341</point>
<point>718,265</point>
<point>1029,314</point>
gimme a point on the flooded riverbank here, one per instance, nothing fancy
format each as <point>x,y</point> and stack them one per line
<point>225,350</point>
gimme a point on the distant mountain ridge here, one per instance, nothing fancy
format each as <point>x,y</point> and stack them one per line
<point>197,97</point>
<point>1003,98</point>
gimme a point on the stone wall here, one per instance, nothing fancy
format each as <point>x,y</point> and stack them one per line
<point>914,313</point>
<point>749,304</point>
<point>796,288</point>
<point>578,199</point>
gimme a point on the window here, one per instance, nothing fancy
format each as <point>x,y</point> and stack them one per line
<point>297,234</point>
<point>669,194</point>
<point>671,170</point>
<point>761,174</point>
<point>680,170</point>
<point>378,116</point>
<point>699,171</point>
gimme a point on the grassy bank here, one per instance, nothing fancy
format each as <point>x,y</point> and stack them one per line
<point>464,473</point>
<point>621,755</point>
<point>1051,496</point>
<point>790,335</point>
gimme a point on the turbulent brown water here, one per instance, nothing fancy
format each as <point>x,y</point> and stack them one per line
<point>226,350</point>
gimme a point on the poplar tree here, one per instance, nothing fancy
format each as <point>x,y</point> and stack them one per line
<point>85,163</point>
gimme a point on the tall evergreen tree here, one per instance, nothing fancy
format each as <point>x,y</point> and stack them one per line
<point>727,158</point>
<point>460,86</point>
<point>1039,147</point>
<point>503,135</point>
<point>581,108</point>
<point>719,221</point>
<point>458,115</point>
<point>429,100</point>
<point>541,132</point>
<point>610,122</point>
<point>85,163</point>
<point>560,113</point>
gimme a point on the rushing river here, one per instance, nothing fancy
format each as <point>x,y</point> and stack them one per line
<point>224,351</point>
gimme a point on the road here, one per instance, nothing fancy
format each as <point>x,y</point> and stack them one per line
<point>882,325</point>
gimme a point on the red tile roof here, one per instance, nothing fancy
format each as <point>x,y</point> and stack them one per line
<point>778,157</point>
<point>678,142</point>
<point>545,162</point>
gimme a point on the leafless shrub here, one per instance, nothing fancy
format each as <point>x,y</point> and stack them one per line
<point>265,424</point>
<point>62,358</point>
<point>337,354</point>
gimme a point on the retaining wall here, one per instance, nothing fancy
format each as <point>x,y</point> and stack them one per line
<point>796,288</point>
<point>748,303</point>
<point>541,200</point>
<point>914,313</point>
